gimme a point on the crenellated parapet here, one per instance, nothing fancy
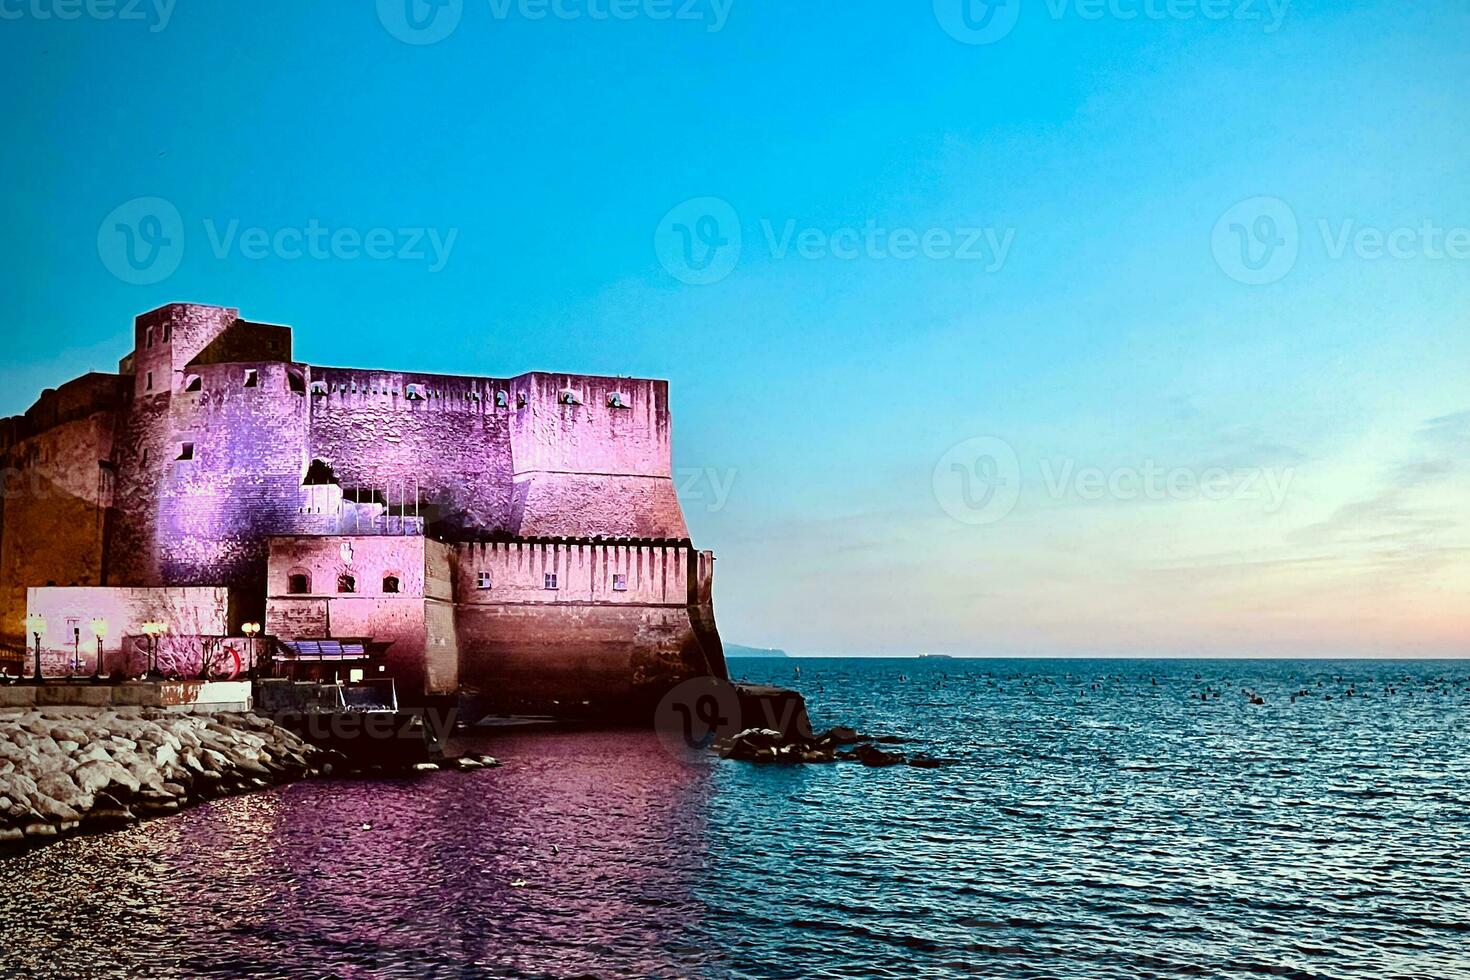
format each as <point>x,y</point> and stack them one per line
<point>212,442</point>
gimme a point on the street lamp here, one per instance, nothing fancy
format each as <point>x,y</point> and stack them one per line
<point>153,629</point>
<point>99,630</point>
<point>76,649</point>
<point>250,630</point>
<point>36,626</point>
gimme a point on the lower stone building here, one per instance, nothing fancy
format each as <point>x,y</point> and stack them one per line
<point>515,541</point>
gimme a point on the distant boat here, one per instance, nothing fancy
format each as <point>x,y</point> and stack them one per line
<point>936,656</point>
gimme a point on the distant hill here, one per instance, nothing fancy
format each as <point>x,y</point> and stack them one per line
<point>736,650</point>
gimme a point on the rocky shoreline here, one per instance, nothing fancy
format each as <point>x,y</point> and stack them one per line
<point>771,746</point>
<point>65,769</point>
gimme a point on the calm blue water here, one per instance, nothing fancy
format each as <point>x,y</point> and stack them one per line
<point>1101,821</point>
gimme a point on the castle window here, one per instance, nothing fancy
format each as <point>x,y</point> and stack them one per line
<point>550,580</point>
<point>620,582</point>
<point>346,584</point>
<point>186,450</point>
<point>298,583</point>
<point>568,397</point>
<point>149,379</point>
<point>193,383</point>
<point>482,580</point>
<point>318,387</point>
<point>296,382</point>
<point>146,454</point>
<point>252,378</point>
<point>149,335</point>
<point>502,399</point>
<point>168,332</point>
<point>416,393</point>
<point>391,584</point>
<point>617,399</point>
<point>520,399</point>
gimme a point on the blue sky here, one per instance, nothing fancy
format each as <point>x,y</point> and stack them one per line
<point>1122,315</point>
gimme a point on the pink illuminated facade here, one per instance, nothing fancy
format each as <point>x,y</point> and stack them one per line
<point>518,539</point>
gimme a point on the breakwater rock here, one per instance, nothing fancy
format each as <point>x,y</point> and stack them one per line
<point>770,745</point>
<point>69,768</point>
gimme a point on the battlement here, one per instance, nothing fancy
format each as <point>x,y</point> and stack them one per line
<point>76,399</point>
<point>213,459</point>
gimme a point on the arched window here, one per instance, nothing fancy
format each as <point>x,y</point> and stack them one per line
<point>298,582</point>
<point>346,584</point>
<point>391,584</point>
<point>193,383</point>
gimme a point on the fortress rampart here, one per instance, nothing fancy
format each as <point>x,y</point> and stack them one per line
<point>212,446</point>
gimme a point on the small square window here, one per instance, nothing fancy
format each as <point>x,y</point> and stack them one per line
<point>391,585</point>
<point>617,400</point>
<point>550,580</point>
<point>298,584</point>
<point>252,378</point>
<point>620,583</point>
<point>346,584</point>
<point>416,393</point>
<point>186,450</point>
<point>482,580</point>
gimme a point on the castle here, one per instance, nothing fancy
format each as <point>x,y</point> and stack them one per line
<point>517,540</point>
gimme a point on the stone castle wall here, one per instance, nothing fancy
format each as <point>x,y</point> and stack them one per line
<point>211,441</point>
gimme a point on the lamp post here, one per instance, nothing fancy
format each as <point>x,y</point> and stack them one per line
<point>153,629</point>
<point>250,630</point>
<point>76,650</point>
<point>36,626</point>
<point>99,630</point>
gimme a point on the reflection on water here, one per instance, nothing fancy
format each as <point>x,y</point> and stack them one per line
<point>1103,820</point>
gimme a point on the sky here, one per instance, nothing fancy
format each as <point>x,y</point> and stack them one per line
<point>1066,327</point>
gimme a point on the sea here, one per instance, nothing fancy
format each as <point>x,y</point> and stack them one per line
<point>1098,818</point>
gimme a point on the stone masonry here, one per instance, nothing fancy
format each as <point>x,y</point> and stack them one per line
<point>505,506</point>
